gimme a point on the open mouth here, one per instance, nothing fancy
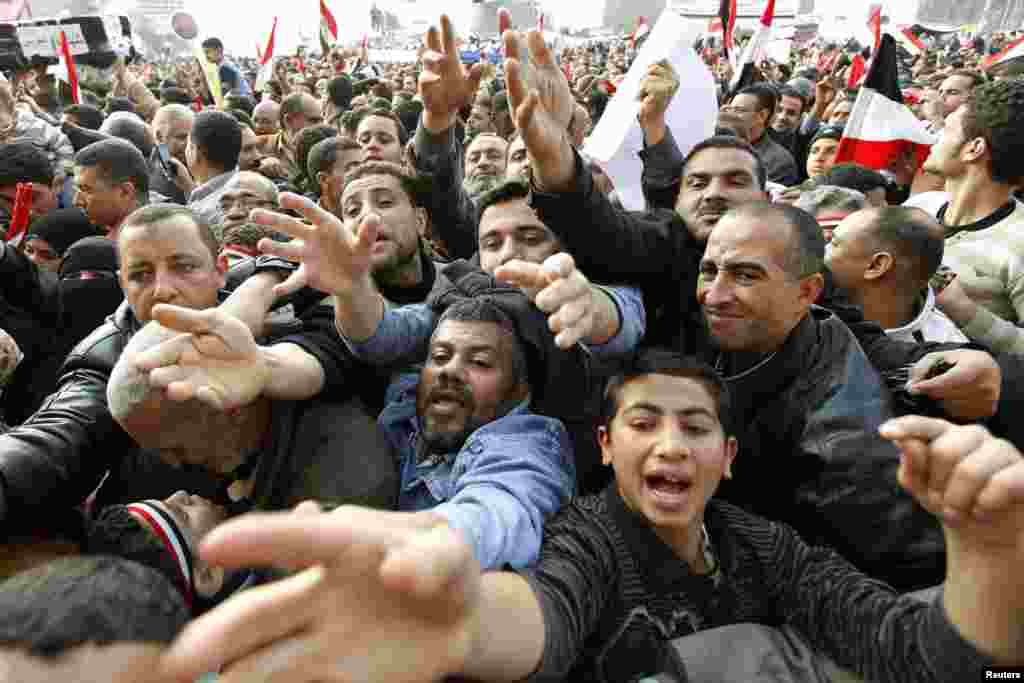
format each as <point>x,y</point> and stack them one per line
<point>668,490</point>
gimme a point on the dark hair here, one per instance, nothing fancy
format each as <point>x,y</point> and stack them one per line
<point>765,94</point>
<point>410,184</point>
<point>654,361</point>
<point>307,138</point>
<point>789,91</point>
<point>214,43</point>
<point>403,133</point>
<point>120,104</point>
<point>23,162</point>
<point>481,309</point>
<point>130,127</point>
<point>243,102</point>
<point>158,213</point>
<point>995,112</point>
<point>243,119</point>
<point>324,154</point>
<point>116,532</point>
<point>339,91</point>
<point>409,114</point>
<point>97,600</point>
<point>806,244</point>
<point>219,137</point>
<point>507,191</point>
<point>175,95</point>
<point>88,116</point>
<point>917,238</point>
<point>855,177</point>
<point>119,162</point>
<point>729,142</point>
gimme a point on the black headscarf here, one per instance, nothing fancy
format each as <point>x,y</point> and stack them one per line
<point>89,287</point>
<point>62,228</point>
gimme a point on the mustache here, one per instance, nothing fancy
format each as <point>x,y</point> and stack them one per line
<point>451,390</point>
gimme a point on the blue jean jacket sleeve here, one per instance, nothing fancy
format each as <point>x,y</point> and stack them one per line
<point>403,334</point>
<point>632,323</point>
<point>519,471</point>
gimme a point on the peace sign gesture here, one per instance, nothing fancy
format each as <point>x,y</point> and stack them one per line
<point>445,86</point>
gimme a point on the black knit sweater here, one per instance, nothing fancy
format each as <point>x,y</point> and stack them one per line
<point>613,594</point>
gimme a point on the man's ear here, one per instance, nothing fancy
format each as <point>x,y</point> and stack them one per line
<point>731,448</point>
<point>421,221</point>
<point>207,580</point>
<point>604,440</point>
<point>810,288</point>
<point>881,263</point>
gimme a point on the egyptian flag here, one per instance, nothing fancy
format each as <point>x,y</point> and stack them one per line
<point>910,42</point>
<point>68,73</point>
<point>875,25</point>
<point>881,128</point>
<point>266,60</point>
<point>540,23</point>
<point>753,53</point>
<point>857,70</point>
<point>328,28</point>
<point>727,15</point>
<point>1011,51</point>
<point>641,30</point>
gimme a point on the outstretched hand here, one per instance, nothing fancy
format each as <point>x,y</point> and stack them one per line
<point>971,480</point>
<point>215,360</point>
<point>380,596</point>
<point>332,258</point>
<point>541,109</point>
<point>559,289</point>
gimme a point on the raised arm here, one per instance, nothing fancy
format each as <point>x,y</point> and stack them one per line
<point>445,87</point>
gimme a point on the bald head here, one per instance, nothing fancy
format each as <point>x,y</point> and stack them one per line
<point>300,110</point>
<point>180,432</point>
<point>266,117</point>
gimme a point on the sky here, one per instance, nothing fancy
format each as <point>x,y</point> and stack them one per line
<point>242,25</point>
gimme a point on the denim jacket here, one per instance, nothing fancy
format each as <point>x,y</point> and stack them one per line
<point>403,334</point>
<point>499,488</point>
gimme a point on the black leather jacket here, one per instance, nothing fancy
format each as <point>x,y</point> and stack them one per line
<point>58,456</point>
<point>810,454</point>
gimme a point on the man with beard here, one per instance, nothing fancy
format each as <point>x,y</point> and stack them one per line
<point>485,164</point>
<point>472,456</point>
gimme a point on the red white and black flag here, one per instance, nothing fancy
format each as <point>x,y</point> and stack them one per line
<point>753,53</point>
<point>328,28</point>
<point>882,129</point>
<point>727,15</point>
<point>875,25</point>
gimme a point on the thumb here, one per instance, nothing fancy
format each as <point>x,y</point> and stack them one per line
<point>367,233</point>
<point>559,265</point>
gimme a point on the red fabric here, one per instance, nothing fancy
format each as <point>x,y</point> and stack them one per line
<point>857,71</point>
<point>69,63</point>
<point>880,155</point>
<point>875,25</point>
<point>327,20</point>
<point>20,213</point>
<point>268,53</point>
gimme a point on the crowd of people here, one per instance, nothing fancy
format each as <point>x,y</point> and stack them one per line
<point>364,373</point>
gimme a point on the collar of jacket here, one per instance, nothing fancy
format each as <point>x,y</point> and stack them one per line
<point>769,376</point>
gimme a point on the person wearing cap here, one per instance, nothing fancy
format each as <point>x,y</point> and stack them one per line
<point>165,535</point>
<point>50,236</point>
<point>821,156</point>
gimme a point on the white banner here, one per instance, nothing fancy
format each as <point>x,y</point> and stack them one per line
<point>691,116</point>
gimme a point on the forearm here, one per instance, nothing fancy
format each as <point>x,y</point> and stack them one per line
<point>358,311</point>
<point>507,630</point>
<point>252,300</point>
<point>607,321</point>
<point>439,154</point>
<point>401,337</point>
<point>984,598</point>
<point>295,375</point>
<point>986,328</point>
